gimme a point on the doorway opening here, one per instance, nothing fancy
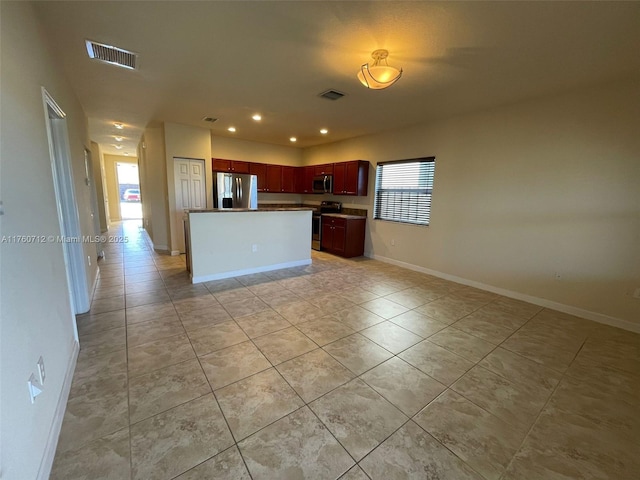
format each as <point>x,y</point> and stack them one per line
<point>129,191</point>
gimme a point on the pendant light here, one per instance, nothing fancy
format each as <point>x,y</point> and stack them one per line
<point>379,74</point>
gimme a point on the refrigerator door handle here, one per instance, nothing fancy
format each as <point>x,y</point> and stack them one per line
<point>240,189</point>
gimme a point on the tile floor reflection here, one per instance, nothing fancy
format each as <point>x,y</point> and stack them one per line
<point>348,369</point>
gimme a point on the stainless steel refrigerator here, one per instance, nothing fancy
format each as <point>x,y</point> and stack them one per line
<point>233,190</point>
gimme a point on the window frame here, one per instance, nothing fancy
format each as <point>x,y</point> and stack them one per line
<point>428,191</point>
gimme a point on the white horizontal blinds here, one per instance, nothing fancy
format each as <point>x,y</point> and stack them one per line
<point>403,190</point>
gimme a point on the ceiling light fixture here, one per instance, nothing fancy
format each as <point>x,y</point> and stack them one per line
<point>232,129</point>
<point>118,139</point>
<point>118,125</point>
<point>324,131</point>
<point>293,139</point>
<point>379,74</point>
<point>257,117</point>
<point>118,146</point>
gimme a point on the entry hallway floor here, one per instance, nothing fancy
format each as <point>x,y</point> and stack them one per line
<point>348,369</point>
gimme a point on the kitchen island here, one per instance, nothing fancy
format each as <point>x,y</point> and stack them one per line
<point>233,242</point>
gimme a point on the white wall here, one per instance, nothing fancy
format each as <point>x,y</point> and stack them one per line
<point>524,191</point>
<point>222,242</point>
<point>36,316</point>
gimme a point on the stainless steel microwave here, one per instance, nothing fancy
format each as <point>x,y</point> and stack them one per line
<point>323,184</point>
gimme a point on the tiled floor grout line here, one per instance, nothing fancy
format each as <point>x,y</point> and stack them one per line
<point>169,286</point>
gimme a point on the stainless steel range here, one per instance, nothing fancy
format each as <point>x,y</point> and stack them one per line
<point>316,221</point>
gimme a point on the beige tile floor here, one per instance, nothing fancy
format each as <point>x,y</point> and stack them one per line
<point>347,369</point>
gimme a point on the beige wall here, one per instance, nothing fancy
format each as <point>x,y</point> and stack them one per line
<point>113,190</point>
<point>96,156</point>
<point>235,149</point>
<point>522,192</point>
<point>183,141</point>
<point>35,311</point>
<point>154,193</point>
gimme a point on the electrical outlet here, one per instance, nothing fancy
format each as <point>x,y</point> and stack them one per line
<point>35,388</point>
<point>41,372</point>
<point>89,259</point>
<point>393,242</point>
<point>254,248</point>
<point>557,275</point>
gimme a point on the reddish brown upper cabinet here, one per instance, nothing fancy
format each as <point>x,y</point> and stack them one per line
<point>304,179</point>
<point>351,178</point>
<point>274,179</point>
<point>323,169</point>
<point>221,165</point>
<point>343,236</point>
<point>260,170</point>
<point>288,180</point>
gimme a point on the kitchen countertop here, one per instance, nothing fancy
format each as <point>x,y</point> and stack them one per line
<point>342,215</point>
<point>235,210</point>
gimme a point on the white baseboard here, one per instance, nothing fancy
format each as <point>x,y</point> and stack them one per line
<point>54,433</point>
<point>159,248</point>
<point>248,271</point>
<point>175,253</point>
<point>543,302</point>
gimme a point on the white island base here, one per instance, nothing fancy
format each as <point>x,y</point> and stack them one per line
<point>230,243</point>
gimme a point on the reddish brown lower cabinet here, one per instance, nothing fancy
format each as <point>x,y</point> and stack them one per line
<point>351,178</point>
<point>343,236</point>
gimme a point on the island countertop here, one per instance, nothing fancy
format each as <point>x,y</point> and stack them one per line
<point>258,210</point>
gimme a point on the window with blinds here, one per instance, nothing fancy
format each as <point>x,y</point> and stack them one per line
<point>403,190</point>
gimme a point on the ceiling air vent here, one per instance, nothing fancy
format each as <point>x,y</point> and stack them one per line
<point>209,119</point>
<point>112,55</point>
<point>332,95</point>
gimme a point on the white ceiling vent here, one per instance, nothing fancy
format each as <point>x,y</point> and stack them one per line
<point>112,55</point>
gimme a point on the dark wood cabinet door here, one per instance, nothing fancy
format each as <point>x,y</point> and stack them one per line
<point>339,238</point>
<point>339,178</point>
<point>239,167</point>
<point>326,169</point>
<point>260,170</point>
<point>351,178</point>
<point>327,235</point>
<point>274,178</point>
<point>309,173</point>
<point>220,165</point>
<point>288,180</point>
<point>298,175</point>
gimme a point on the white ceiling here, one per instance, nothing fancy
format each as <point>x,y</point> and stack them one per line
<point>231,59</point>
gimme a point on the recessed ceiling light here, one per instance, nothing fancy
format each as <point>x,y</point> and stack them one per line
<point>257,117</point>
<point>118,125</point>
<point>232,129</point>
<point>118,146</point>
<point>118,139</point>
<point>293,139</point>
<point>324,131</point>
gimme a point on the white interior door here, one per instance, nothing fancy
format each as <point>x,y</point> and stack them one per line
<point>190,188</point>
